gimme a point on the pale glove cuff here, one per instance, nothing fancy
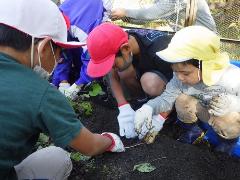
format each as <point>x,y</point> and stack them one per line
<point>125,107</point>
<point>147,107</point>
<point>64,85</point>
<point>158,122</point>
<point>75,87</point>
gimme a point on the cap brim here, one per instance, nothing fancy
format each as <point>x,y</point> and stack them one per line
<point>70,44</point>
<point>172,56</point>
<point>66,45</point>
<point>100,69</point>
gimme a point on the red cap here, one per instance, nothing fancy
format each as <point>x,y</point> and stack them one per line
<point>103,43</point>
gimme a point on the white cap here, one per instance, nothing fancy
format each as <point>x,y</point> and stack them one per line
<point>38,18</point>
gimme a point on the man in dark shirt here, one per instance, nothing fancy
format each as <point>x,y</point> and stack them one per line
<point>130,60</point>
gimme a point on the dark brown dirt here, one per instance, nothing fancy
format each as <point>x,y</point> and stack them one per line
<point>173,160</point>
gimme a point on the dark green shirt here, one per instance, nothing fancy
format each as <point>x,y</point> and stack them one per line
<point>30,105</point>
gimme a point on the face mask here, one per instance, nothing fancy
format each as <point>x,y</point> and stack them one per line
<point>41,72</point>
<point>38,68</point>
<point>127,63</point>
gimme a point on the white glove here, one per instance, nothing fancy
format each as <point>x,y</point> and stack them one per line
<point>72,91</point>
<point>157,125</point>
<point>143,115</point>
<point>117,145</point>
<point>223,104</point>
<point>63,86</point>
<point>107,4</point>
<point>61,1</point>
<point>126,121</point>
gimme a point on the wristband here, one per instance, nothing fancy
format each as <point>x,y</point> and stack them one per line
<point>122,104</point>
<point>113,142</point>
<point>164,115</point>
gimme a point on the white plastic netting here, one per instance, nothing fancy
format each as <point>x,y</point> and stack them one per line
<point>226,14</point>
<point>169,20</point>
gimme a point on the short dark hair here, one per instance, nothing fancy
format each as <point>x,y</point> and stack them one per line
<point>14,38</point>
<point>194,62</point>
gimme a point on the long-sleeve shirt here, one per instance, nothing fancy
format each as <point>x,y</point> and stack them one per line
<point>228,83</point>
<point>166,8</point>
<point>84,16</point>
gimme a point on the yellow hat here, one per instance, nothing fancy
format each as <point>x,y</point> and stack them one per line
<point>197,42</point>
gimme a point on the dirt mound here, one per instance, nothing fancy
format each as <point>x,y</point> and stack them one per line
<point>173,160</point>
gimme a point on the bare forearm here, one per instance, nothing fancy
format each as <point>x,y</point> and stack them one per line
<point>117,88</point>
<point>101,144</point>
<point>89,143</point>
<point>156,11</point>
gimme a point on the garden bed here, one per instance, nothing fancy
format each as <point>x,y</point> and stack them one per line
<point>173,160</point>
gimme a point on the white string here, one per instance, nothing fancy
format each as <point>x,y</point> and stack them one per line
<point>32,52</point>
<point>199,67</point>
<point>53,52</point>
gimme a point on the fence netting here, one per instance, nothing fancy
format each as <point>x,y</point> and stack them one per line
<point>226,14</point>
<point>168,20</point>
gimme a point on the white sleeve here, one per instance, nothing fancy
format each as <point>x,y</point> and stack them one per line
<point>204,17</point>
<point>159,10</point>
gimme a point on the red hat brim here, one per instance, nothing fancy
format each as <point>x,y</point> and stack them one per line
<point>100,69</point>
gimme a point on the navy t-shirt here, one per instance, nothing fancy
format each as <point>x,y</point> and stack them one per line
<point>150,42</point>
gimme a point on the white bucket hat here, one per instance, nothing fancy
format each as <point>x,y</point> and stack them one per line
<point>38,18</point>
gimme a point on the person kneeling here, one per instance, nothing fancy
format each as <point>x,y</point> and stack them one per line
<point>204,88</point>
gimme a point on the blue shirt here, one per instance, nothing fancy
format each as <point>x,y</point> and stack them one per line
<point>84,16</point>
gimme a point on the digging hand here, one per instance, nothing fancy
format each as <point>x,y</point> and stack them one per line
<point>126,121</point>
<point>149,135</point>
<point>63,86</point>
<point>117,14</point>
<point>72,91</point>
<point>117,145</point>
<point>223,104</point>
<point>143,115</point>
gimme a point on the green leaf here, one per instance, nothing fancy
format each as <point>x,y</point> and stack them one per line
<point>96,90</point>
<point>144,167</point>
<point>76,156</point>
<point>86,107</point>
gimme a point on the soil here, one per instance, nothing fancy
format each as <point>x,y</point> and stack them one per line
<point>173,160</point>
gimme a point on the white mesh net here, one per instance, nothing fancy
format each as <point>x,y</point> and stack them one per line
<point>226,14</point>
<point>169,20</point>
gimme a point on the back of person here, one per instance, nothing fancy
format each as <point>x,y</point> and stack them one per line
<point>83,15</point>
<point>22,91</point>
